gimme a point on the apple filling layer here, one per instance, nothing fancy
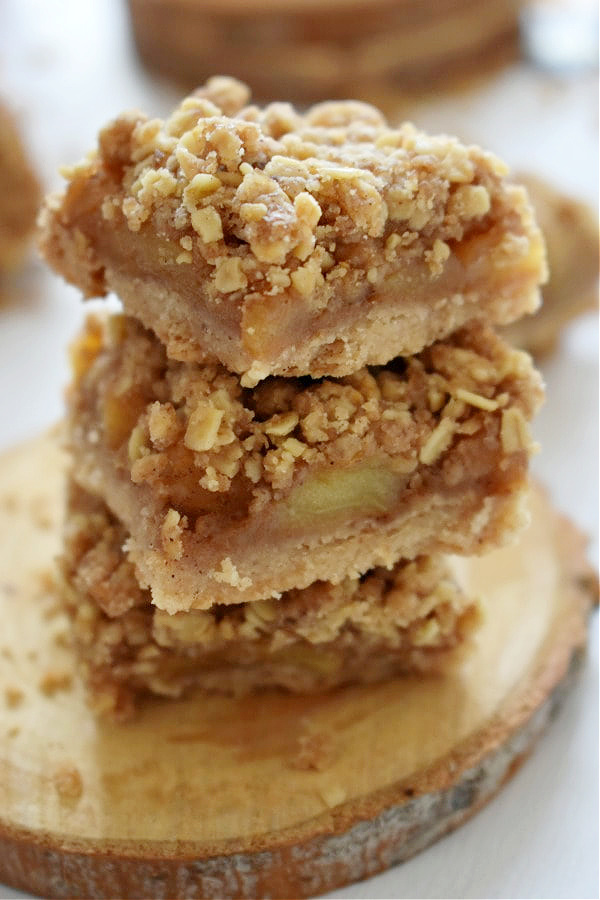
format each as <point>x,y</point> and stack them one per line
<point>413,618</point>
<point>231,494</point>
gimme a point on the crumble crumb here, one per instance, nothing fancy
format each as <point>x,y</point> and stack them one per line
<point>316,751</point>
<point>62,638</point>
<point>10,503</point>
<point>42,518</point>
<point>332,795</point>
<point>68,784</point>
<point>228,574</point>
<point>52,609</point>
<point>47,581</point>
<point>54,681</point>
<point>13,697</point>
<point>514,432</point>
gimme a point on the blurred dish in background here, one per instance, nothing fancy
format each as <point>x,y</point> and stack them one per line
<point>308,50</point>
<point>561,35</point>
<point>572,240</point>
<point>20,194</point>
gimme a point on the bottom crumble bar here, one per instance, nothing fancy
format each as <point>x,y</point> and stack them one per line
<point>412,619</point>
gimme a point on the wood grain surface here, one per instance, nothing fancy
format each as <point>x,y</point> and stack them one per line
<point>204,797</point>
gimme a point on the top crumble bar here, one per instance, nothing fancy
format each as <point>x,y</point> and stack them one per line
<point>289,243</point>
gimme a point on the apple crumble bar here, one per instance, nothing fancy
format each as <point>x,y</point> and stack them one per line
<point>311,50</point>
<point>410,619</point>
<point>291,243</point>
<point>20,194</point>
<point>232,494</point>
<point>570,229</point>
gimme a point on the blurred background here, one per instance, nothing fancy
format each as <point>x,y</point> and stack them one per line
<point>521,79</point>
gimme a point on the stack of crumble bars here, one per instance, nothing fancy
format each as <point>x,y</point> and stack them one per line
<point>304,409</point>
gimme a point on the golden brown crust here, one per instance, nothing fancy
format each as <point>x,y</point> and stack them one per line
<point>294,243</point>
<point>363,630</point>
<point>205,474</point>
<point>20,194</point>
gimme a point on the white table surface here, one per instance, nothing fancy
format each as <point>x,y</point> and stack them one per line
<point>67,66</point>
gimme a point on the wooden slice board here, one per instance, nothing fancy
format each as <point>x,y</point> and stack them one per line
<point>204,797</point>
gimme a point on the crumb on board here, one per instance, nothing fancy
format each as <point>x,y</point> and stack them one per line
<point>316,751</point>
<point>68,783</point>
<point>62,638</point>
<point>55,680</point>
<point>9,503</point>
<point>53,609</point>
<point>332,795</point>
<point>40,513</point>
<point>47,580</point>
<point>13,696</point>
